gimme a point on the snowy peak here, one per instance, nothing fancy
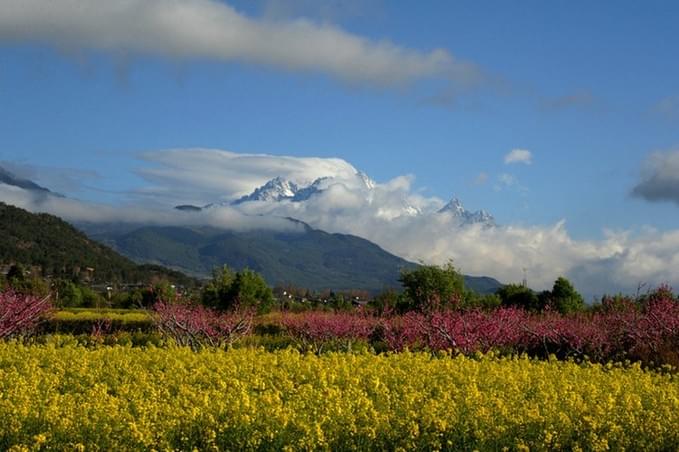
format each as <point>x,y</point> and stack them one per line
<point>280,189</point>
<point>277,189</point>
<point>455,206</point>
<point>305,193</point>
<point>467,217</point>
<point>367,181</point>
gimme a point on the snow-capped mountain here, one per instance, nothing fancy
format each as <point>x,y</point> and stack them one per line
<point>277,189</point>
<point>280,189</point>
<point>367,181</point>
<point>272,196</point>
<point>466,217</point>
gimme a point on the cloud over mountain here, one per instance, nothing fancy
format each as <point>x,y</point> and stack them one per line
<point>193,29</point>
<point>391,214</point>
<point>414,226</point>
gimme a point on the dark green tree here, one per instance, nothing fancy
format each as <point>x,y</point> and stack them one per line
<point>229,290</point>
<point>520,296</point>
<point>432,287</point>
<point>218,290</point>
<point>249,289</point>
<point>564,298</point>
<point>69,294</point>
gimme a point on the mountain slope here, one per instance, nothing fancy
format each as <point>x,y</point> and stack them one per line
<point>8,178</point>
<point>314,259</point>
<point>46,241</point>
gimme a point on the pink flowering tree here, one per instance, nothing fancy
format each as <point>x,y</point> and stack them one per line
<point>20,314</point>
<point>314,330</point>
<point>198,326</point>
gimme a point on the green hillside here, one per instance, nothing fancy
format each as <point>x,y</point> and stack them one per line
<point>60,250</point>
<point>310,258</point>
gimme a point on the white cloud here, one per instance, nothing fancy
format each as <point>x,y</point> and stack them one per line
<point>519,156</point>
<point>211,29</point>
<point>204,175</point>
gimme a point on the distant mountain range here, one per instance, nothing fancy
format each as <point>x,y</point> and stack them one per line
<point>308,257</point>
<point>280,189</point>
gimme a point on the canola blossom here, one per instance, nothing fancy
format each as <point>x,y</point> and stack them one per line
<point>67,397</point>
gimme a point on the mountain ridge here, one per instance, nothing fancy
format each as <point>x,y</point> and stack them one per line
<point>312,259</point>
<point>61,250</point>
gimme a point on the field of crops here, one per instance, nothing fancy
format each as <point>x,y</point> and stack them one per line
<point>64,396</point>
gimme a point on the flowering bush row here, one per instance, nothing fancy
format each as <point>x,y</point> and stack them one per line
<point>648,334</point>
<point>123,398</point>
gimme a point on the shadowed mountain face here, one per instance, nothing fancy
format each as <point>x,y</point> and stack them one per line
<point>59,249</point>
<point>8,178</point>
<point>312,258</point>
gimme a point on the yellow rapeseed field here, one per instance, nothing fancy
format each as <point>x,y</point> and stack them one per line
<point>67,397</point>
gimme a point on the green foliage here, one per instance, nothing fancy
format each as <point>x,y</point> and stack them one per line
<point>431,286</point>
<point>58,250</point>
<point>91,299</point>
<point>520,296</point>
<point>487,302</point>
<point>246,288</point>
<point>339,302</point>
<point>564,298</point>
<point>217,291</point>
<point>385,301</point>
<point>23,281</point>
<point>68,294</point>
<point>250,290</point>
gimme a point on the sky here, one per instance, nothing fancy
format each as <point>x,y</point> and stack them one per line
<point>559,118</point>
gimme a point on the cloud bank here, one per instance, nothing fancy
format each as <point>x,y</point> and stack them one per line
<point>214,30</point>
<point>659,179</point>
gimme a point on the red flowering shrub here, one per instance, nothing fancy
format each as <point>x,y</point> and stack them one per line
<point>20,314</point>
<point>619,330</point>
<point>313,329</point>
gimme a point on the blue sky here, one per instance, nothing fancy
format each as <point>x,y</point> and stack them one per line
<point>92,110</point>
<point>591,89</point>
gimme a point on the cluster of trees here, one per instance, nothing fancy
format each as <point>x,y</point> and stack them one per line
<point>434,287</point>
<point>562,298</point>
<point>243,289</point>
<point>425,288</point>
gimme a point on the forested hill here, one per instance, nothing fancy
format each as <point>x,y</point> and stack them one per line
<point>60,250</point>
